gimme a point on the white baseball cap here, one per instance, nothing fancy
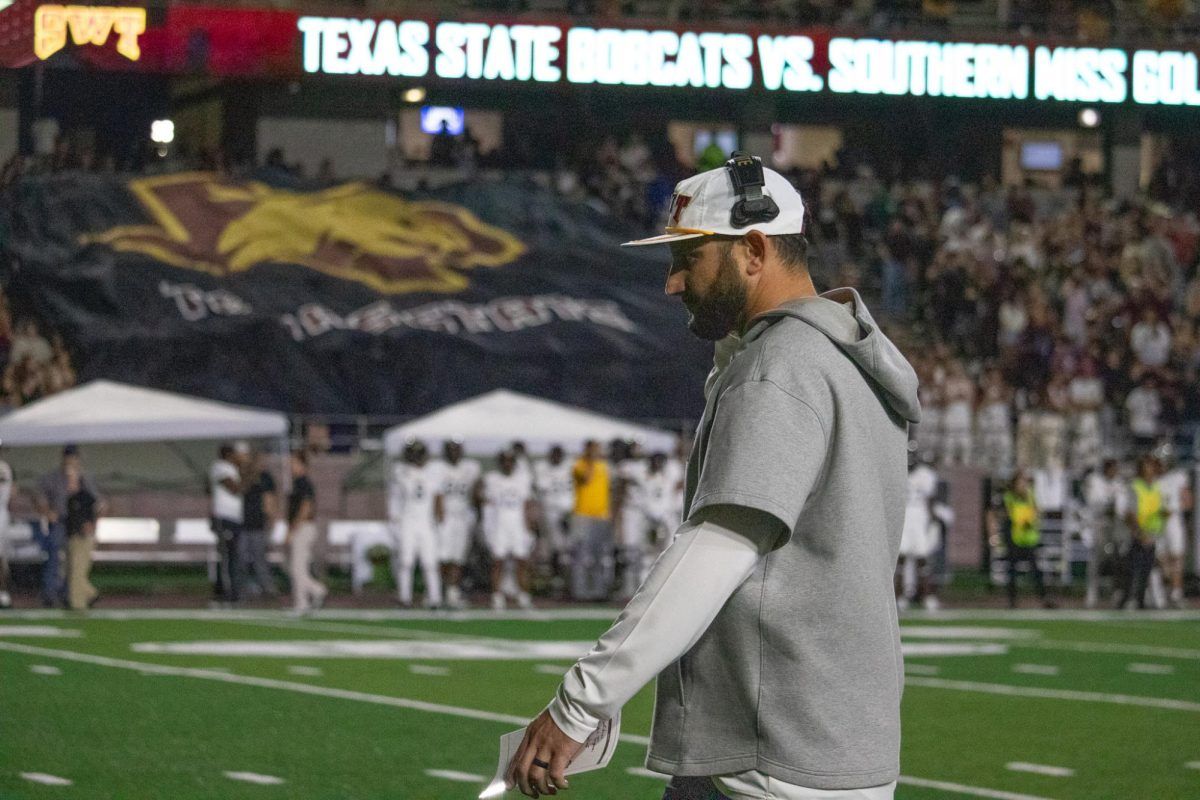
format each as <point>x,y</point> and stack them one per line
<point>702,206</point>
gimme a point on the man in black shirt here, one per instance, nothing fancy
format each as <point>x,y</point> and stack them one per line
<point>260,504</point>
<point>307,592</point>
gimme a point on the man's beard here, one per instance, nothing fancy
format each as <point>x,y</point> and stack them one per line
<point>715,315</point>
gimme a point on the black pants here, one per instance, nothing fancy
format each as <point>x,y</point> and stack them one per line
<point>1139,561</point>
<point>692,789</point>
<point>1029,555</point>
<point>229,560</point>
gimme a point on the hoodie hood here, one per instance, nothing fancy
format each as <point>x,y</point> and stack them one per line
<point>856,334</point>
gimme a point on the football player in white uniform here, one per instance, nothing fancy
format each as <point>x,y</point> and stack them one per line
<point>415,509</point>
<point>459,476</point>
<point>6,487</point>
<point>1175,485</point>
<point>507,497</point>
<point>919,538</point>
<point>633,524</point>
<point>1104,505</point>
<point>648,515</point>
<point>556,500</point>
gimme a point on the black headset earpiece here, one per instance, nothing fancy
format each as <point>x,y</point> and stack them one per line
<point>746,171</point>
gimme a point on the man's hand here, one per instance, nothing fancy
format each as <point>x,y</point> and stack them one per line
<point>547,743</point>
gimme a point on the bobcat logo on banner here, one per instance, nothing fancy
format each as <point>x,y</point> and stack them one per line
<point>222,226</point>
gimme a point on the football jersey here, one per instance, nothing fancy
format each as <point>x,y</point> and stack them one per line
<point>6,485</point>
<point>458,482</point>
<point>413,490</point>
<point>658,490</point>
<point>554,484</point>
<point>633,473</point>
<point>506,495</point>
<point>1172,485</point>
<point>922,485</point>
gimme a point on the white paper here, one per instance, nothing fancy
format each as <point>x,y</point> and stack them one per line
<point>596,752</point>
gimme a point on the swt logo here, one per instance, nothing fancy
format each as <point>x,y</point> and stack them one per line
<point>355,232</point>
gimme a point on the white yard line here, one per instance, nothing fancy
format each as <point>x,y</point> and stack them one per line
<point>307,672</point>
<point>39,631</point>
<point>551,669</point>
<point>406,703</point>
<point>1039,769</point>
<point>425,669</point>
<point>973,791</point>
<point>455,775</point>
<point>44,669</point>
<point>1114,649</point>
<point>1035,669</point>
<point>44,779</point>
<point>1053,694</point>
<point>920,669</point>
<point>254,777</point>
<point>1193,765</point>
<point>1150,669</point>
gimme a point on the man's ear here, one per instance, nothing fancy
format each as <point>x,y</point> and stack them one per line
<point>756,248</point>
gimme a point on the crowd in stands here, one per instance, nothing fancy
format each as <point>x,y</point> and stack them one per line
<point>31,366</point>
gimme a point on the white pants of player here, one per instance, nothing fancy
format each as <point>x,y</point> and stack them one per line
<point>416,543</point>
<point>454,537</point>
<point>306,590</point>
<point>639,549</point>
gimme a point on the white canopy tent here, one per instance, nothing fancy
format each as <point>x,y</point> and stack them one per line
<point>104,411</point>
<point>135,437</point>
<point>490,422</point>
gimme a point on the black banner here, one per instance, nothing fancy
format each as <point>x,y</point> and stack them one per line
<point>350,299</point>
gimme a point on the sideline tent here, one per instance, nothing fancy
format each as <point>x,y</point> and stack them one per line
<point>134,435</point>
<point>490,422</point>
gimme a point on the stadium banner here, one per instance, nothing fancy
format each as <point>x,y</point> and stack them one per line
<point>350,299</point>
<point>241,41</point>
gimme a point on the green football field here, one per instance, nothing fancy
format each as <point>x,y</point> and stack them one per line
<point>409,706</point>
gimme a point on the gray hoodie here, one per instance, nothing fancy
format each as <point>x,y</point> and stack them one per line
<point>800,674</point>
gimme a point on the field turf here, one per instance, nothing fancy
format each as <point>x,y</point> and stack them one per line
<point>400,706</point>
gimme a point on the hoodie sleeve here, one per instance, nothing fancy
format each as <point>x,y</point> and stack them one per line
<point>764,450</point>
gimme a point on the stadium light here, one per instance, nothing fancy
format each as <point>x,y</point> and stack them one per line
<point>414,95</point>
<point>162,131</point>
<point>1089,118</point>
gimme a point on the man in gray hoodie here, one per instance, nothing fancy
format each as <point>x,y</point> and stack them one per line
<point>769,621</point>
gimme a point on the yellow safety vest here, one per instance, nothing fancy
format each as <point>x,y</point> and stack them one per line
<point>1022,518</point>
<point>1150,516</point>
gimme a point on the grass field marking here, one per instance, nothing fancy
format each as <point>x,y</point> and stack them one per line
<point>920,669</point>
<point>401,649</point>
<point>1150,669</point>
<point>1193,765</point>
<point>44,779</point>
<point>550,669</point>
<point>388,631</point>
<point>39,631</point>
<point>1112,649</point>
<point>406,703</point>
<point>426,669</point>
<point>307,672</point>
<point>1036,669</point>
<point>966,632</point>
<point>960,788</point>
<point>455,775</point>
<point>1039,769</point>
<point>1052,694</point>
<point>254,777</point>
<point>642,772</point>
<point>44,669</point>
